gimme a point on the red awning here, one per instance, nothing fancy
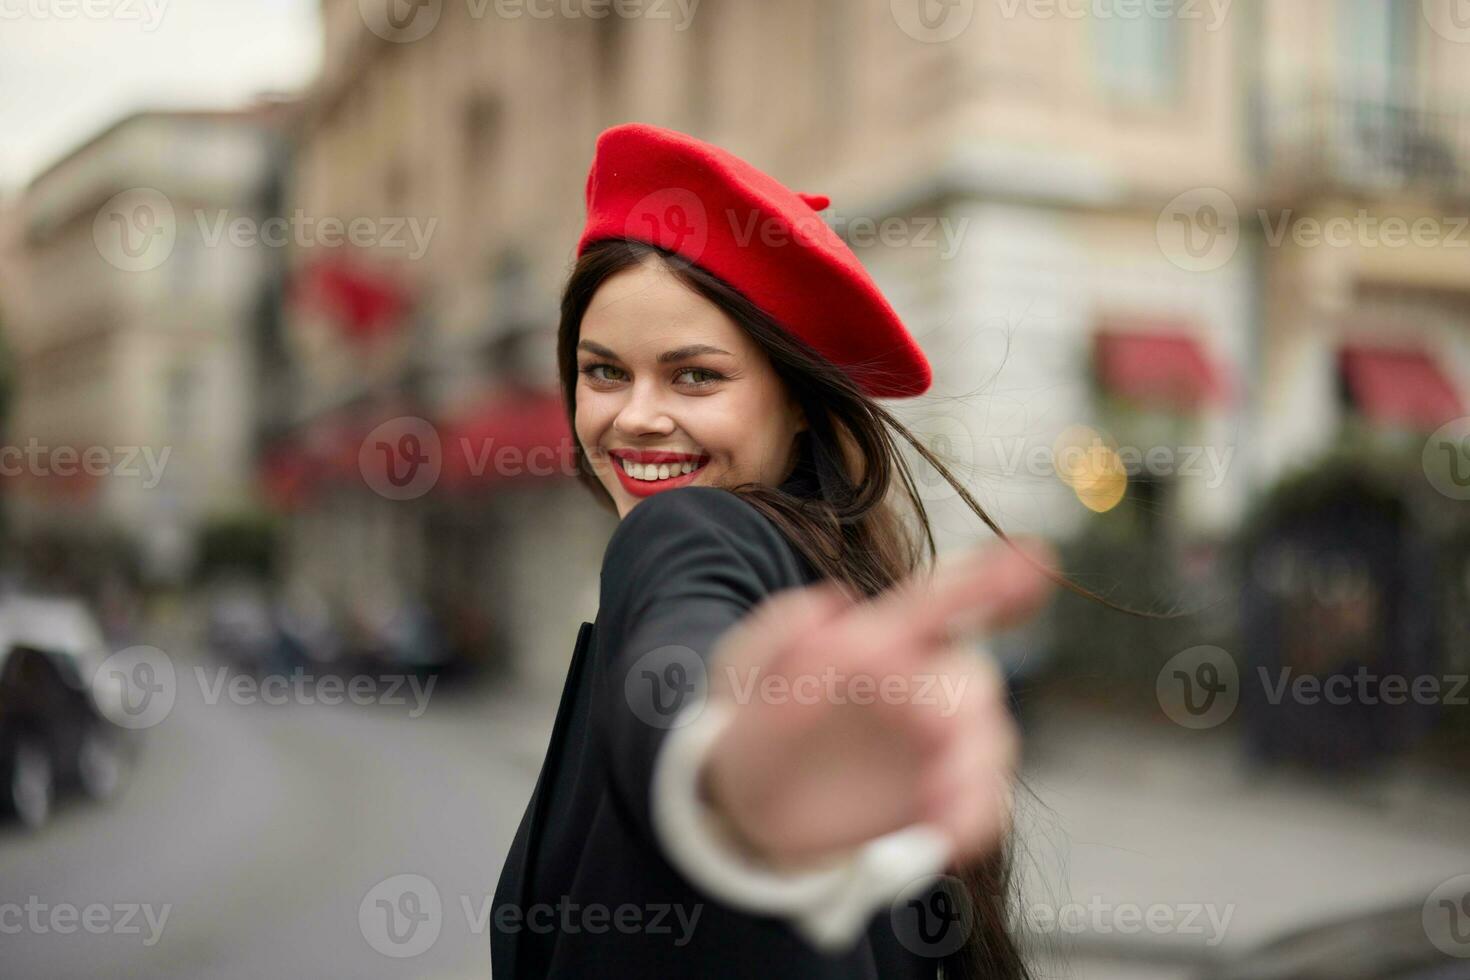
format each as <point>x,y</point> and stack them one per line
<point>364,301</point>
<point>1168,369</point>
<point>516,434</point>
<point>1399,387</point>
<point>286,476</point>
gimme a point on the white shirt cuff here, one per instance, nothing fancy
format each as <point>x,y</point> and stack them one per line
<point>830,905</point>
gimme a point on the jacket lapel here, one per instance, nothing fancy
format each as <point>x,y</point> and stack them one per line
<point>520,861</point>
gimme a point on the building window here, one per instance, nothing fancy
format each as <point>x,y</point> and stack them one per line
<point>1138,58</point>
<point>1376,40</point>
<point>479,124</point>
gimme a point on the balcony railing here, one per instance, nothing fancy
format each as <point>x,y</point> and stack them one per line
<point>1334,144</point>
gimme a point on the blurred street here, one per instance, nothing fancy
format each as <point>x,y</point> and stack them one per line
<point>291,411</point>
<point>265,825</point>
<point>1131,815</point>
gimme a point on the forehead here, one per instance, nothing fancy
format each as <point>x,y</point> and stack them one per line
<point>645,309</point>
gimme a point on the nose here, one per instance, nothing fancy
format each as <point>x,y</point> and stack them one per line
<point>644,413</point>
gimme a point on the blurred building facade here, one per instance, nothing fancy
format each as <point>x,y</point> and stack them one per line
<point>129,314</point>
<point>1079,216</point>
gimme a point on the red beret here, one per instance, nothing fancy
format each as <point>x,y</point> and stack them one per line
<point>669,189</point>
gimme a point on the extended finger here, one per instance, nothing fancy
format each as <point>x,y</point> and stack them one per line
<point>777,624</point>
<point>980,589</point>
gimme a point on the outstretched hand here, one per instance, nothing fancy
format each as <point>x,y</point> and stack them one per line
<point>855,718</point>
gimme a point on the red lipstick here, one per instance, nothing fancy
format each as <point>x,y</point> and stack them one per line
<point>646,488</point>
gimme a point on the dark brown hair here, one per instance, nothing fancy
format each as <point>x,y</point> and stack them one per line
<point>849,530</point>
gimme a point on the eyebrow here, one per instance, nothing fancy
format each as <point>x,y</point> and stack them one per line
<point>668,356</point>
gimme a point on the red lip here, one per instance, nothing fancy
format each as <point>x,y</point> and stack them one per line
<point>656,456</point>
<point>647,488</point>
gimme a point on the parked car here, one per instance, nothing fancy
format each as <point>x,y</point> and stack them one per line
<point>261,630</point>
<point>1387,944</point>
<point>54,738</point>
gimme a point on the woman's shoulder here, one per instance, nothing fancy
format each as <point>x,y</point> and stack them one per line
<point>697,526</point>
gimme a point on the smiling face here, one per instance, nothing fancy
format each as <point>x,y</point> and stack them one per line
<point>671,392</point>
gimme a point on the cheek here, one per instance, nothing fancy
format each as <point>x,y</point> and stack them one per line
<point>589,421</point>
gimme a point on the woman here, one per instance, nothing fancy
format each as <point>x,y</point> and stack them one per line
<point>771,741</point>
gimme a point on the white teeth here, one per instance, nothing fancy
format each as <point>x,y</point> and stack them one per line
<point>651,472</point>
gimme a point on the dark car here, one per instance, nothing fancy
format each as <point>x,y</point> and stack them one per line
<point>53,737</point>
<point>1393,943</point>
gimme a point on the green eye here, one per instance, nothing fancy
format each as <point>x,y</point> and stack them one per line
<point>591,371</point>
<point>710,376</point>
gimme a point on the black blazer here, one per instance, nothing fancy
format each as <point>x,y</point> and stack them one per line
<point>586,891</point>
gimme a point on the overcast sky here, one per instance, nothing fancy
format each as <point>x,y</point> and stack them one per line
<point>65,75</point>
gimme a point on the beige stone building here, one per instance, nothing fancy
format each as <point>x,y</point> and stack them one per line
<point>130,312</point>
<point>1074,205</point>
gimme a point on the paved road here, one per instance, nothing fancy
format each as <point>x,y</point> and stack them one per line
<point>263,830</point>
<point>258,829</point>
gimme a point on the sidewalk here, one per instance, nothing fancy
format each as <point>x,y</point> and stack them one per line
<point>1126,815</point>
<point>1133,815</point>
